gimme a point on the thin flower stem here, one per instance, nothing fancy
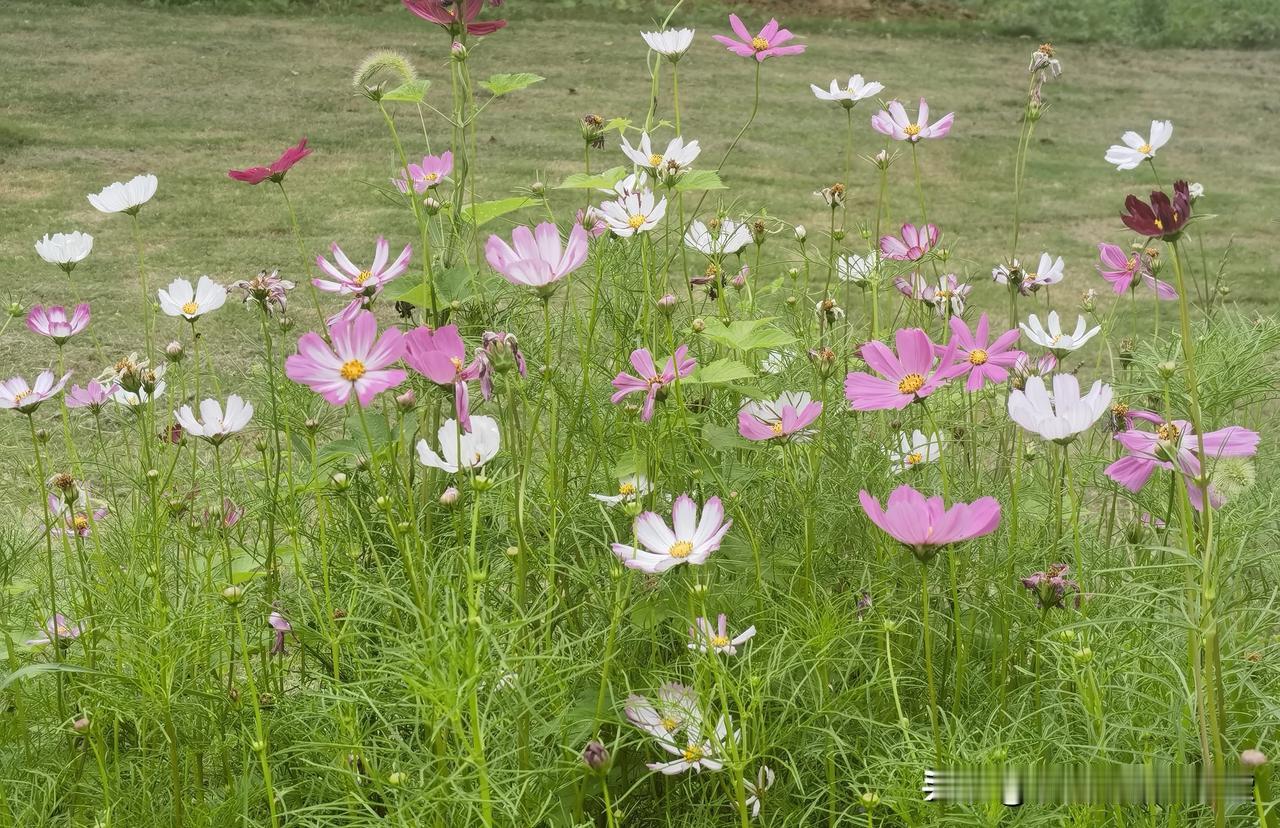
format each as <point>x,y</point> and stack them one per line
<point>928,662</point>
<point>302,259</point>
<point>147,319</point>
<point>755,107</point>
<point>47,530</point>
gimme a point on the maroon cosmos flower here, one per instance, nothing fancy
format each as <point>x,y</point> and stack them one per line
<point>1161,218</point>
<point>455,15</point>
<point>275,172</point>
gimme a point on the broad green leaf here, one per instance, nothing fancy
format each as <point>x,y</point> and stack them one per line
<point>724,437</point>
<point>244,569</point>
<point>32,670</point>
<point>453,285</point>
<point>719,372</point>
<point>618,124</point>
<point>599,181</point>
<point>411,92</point>
<point>486,211</point>
<point>747,334</point>
<point>501,84</point>
<point>699,180</point>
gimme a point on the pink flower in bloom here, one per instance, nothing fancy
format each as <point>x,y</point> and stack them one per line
<point>688,539</point>
<point>355,281</point>
<point>767,44</point>
<point>357,361</point>
<point>93,396</point>
<point>977,356</point>
<point>648,380</point>
<point>1123,271</point>
<point>275,172</point>
<point>779,419</point>
<point>58,628</point>
<point>54,323</point>
<point>455,15</point>
<point>925,524</point>
<point>913,374</point>
<point>1174,445</point>
<point>75,519</point>
<point>441,357</point>
<point>897,125</point>
<point>430,173</point>
<point>534,259</point>
<point>915,242</point>
<point>15,394</point>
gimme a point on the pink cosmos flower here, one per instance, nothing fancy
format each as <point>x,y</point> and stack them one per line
<point>925,524</point>
<point>780,419</point>
<point>440,356</point>
<point>914,244</point>
<point>457,16</point>
<point>589,219</point>
<point>499,351</point>
<point>275,172</point>
<point>58,628</point>
<point>430,173</point>
<point>355,281</point>
<point>15,394</point>
<point>908,377</point>
<point>1174,445</point>
<point>54,323</point>
<point>281,626</point>
<point>535,259</point>
<point>897,125</point>
<point>75,519</point>
<point>1123,271</point>
<point>947,297</point>
<point>649,380</point>
<point>977,356</point>
<point>355,362</point>
<point>93,396</point>
<point>688,539</point>
<point>767,44</point>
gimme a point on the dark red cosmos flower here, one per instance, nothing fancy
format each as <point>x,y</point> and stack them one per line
<point>455,15</point>
<point>1161,218</point>
<point>275,173</point>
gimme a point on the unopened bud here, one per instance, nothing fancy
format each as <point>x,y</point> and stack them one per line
<point>407,400</point>
<point>81,725</point>
<point>431,206</point>
<point>397,778</point>
<point>595,756</point>
<point>538,189</point>
<point>1252,758</point>
<point>667,304</point>
<point>481,483</point>
<point>698,326</point>
<point>1167,368</point>
<point>16,310</point>
<point>174,351</point>
<point>340,481</point>
<point>801,233</point>
<point>449,496</point>
<point>233,594</point>
<point>457,51</point>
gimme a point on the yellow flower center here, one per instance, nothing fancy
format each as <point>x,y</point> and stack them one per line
<point>20,396</point>
<point>626,489</point>
<point>910,384</point>
<point>1159,224</point>
<point>680,549</point>
<point>719,641</point>
<point>1029,277</point>
<point>693,753</point>
<point>655,160</point>
<point>1152,253</point>
<point>80,522</point>
<point>776,428</point>
<point>912,129</point>
<point>636,222</point>
<point>914,458</point>
<point>977,357</point>
<point>190,308</point>
<point>669,724</point>
<point>363,277</point>
<point>431,176</point>
<point>352,370</point>
<point>1120,409</point>
<point>944,294</point>
<point>457,363</point>
<point>1132,263</point>
<point>759,44</point>
<point>1168,432</point>
<point>1145,149</point>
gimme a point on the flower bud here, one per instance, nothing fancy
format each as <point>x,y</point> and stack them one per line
<point>538,189</point>
<point>258,746</point>
<point>449,496</point>
<point>42,437</point>
<point>153,474</point>
<point>397,778</point>
<point>482,483</point>
<point>174,351</point>
<point>81,725</point>
<point>838,235</point>
<point>431,205</point>
<point>406,401</point>
<point>1252,758</point>
<point>233,594</point>
<point>1083,655</point>
<point>869,799</point>
<point>632,508</point>
<point>457,51</point>
<point>339,481</point>
<point>1167,369</point>
<point>595,756</point>
<point>698,326</point>
<point>801,233</point>
<point>16,310</point>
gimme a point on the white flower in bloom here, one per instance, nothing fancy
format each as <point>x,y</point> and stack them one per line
<point>1137,149</point>
<point>635,213</point>
<point>125,198</point>
<point>755,790</point>
<point>1052,337</point>
<point>475,448</point>
<point>667,165</point>
<point>65,249</point>
<point>670,43</point>
<point>1062,415</point>
<point>1048,272</point>
<point>630,488</point>
<point>914,450</point>
<point>847,96</point>
<point>857,269</point>
<point>181,299</point>
<point>215,424</point>
<point>729,237</point>
<point>705,637</point>
<point>134,399</point>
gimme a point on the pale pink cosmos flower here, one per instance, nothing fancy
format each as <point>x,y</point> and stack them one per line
<point>675,709</point>
<point>926,524</point>
<point>535,258</point>
<point>358,361</point>
<point>979,358</point>
<point>914,244</point>
<point>706,638</point>
<point>354,281</point>
<point>93,396</point>
<point>17,395</point>
<point>898,125</point>
<point>589,219</point>
<point>688,539</point>
<point>766,44</point>
<point>54,322</point>
<point>648,380</point>
<point>787,417</point>
<point>911,375</point>
<point>430,173</point>
<point>441,357</point>
<point>58,628</point>
<point>1174,445</point>
<point>75,518</point>
<point>947,297</point>
<point>281,627</point>
<point>1123,271</point>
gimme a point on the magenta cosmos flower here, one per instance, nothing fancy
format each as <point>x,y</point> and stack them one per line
<point>430,173</point>
<point>649,381</point>
<point>457,16</point>
<point>441,357</point>
<point>93,396</point>
<point>767,44</point>
<point>781,419</point>
<point>925,524</point>
<point>897,125</point>
<point>357,361</point>
<point>911,375</point>
<point>535,259</point>
<point>15,394</point>
<point>915,242</point>
<point>275,172</point>
<point>977,356</point>
<point>54,323</point>
<point>688,539</point>
<point>355,281</point>
<point>1174,445</point>
<point>1123,271</point>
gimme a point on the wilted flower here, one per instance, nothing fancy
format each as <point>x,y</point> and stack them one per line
<point>1137,149</point>
<point>592,127</point>
<point>692,541</point>
<point>766,44</point>
<point>704,637</point>
<point>281,626</point>
<point>590,219</point>
<point>267,289</point>
<point>54,322</point>
<point>755,790</point>
<point>499,352</point>
<point>462,449</point>
<point>1062,415</point>
<point>191,303</point>
<point>1174,445</point>
<point>1044,62</point>
<point>898,125</point>
<point>276,171</point>
<point>65,249</point>
<point>125,198</point>
<point>1052,587</point>
<point>1124,271</point>
<point>648,380</point>
<point>74,510</point>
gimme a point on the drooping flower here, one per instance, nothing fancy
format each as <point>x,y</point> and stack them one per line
<point>1161,218</point>
<point>1051,336</point>
<point>1174,445</point>
<point>858,269</point>
<point>358,361</point>
<point>947,297</point>
<point>215,425</point>
<point>1049,272</point>
<point>787,417</point>
<point>925,525</point>
<point>267,289</point>
<point>1124,272</point>
<point>455,16</point>
<point>275,172</point>
<point>54,322</point>
<point>75,517</point>
<point>766,44</point>
<point>631,488</point>
<point>432,172</point>
<point>441,357</point>
<point>534,259</point>
<point>590,219</point>
<point>912,246</point>
<point>498,353</point>
<point>1025,367</point>
<point>648,380</point>
<point>58,628</point>
<point>670,43</point>
<point>93,396</point>
<point>354,281</point>
<point>125,198</point>
<point>755,790</point>
<point>909,376</point>
<point>462,449</point>
<point>721,238</point>
<point>191,303</point>
<point>856,90</point>
<point>281,627</point>
<point>706,638</point>
<point>666,166</point>
<point>1051,588</point>
<point>1044,63</point>
<point>1062,415</point>
<point>65,249</point>
<point>982,360</point>
<point>688,539</point>
<point>17,395</point>
<point>914,450</point>
<point>898,125</point>
<point>1136,149</point>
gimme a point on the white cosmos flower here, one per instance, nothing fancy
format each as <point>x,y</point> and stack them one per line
<point>1052,337</point>
<point>65,249</point>
<point>699,751</point>
<point>847,96</point>
<point>1062,415</point>
<point>125,198</point>
<point>705,637</point>
<point>667,165</point>
<point>1137,149</point>
<point>635,213</point>
<point>630,488</point>
<point>636,182</point>
<point>775,362</point>
<point>477,447</point>
<point>670,43</point>
<point>914,450</point>
<point>134,399</point>
<point>215,424</point>
<point>755,790</point>
<point>1196,190</point>
<point>181,299</point>
<point>1048,272</point>
<point>729,237</point>
<point>857,269</point>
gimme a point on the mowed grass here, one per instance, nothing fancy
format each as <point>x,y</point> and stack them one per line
<point>187,95</point>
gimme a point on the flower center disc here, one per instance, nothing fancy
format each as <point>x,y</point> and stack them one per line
<point>977,357</point>
<point>655,160</point>
<point>912,129</point>
<point>759,44</point>
<point>636,222</point>
<point>911,383</point>
<point>692,753</point>
<point>1145,149</point>
<point>352,370</point>
<point>719,641</point>
<point>20,396</point>
<point>669,724</point>
<point>1168,432</point>
<point>680,549</point>
<point>626,490</point>
<point>776,428</point>
<point>914,458</point>
<point>363,277</point>
<point>190,308</point>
